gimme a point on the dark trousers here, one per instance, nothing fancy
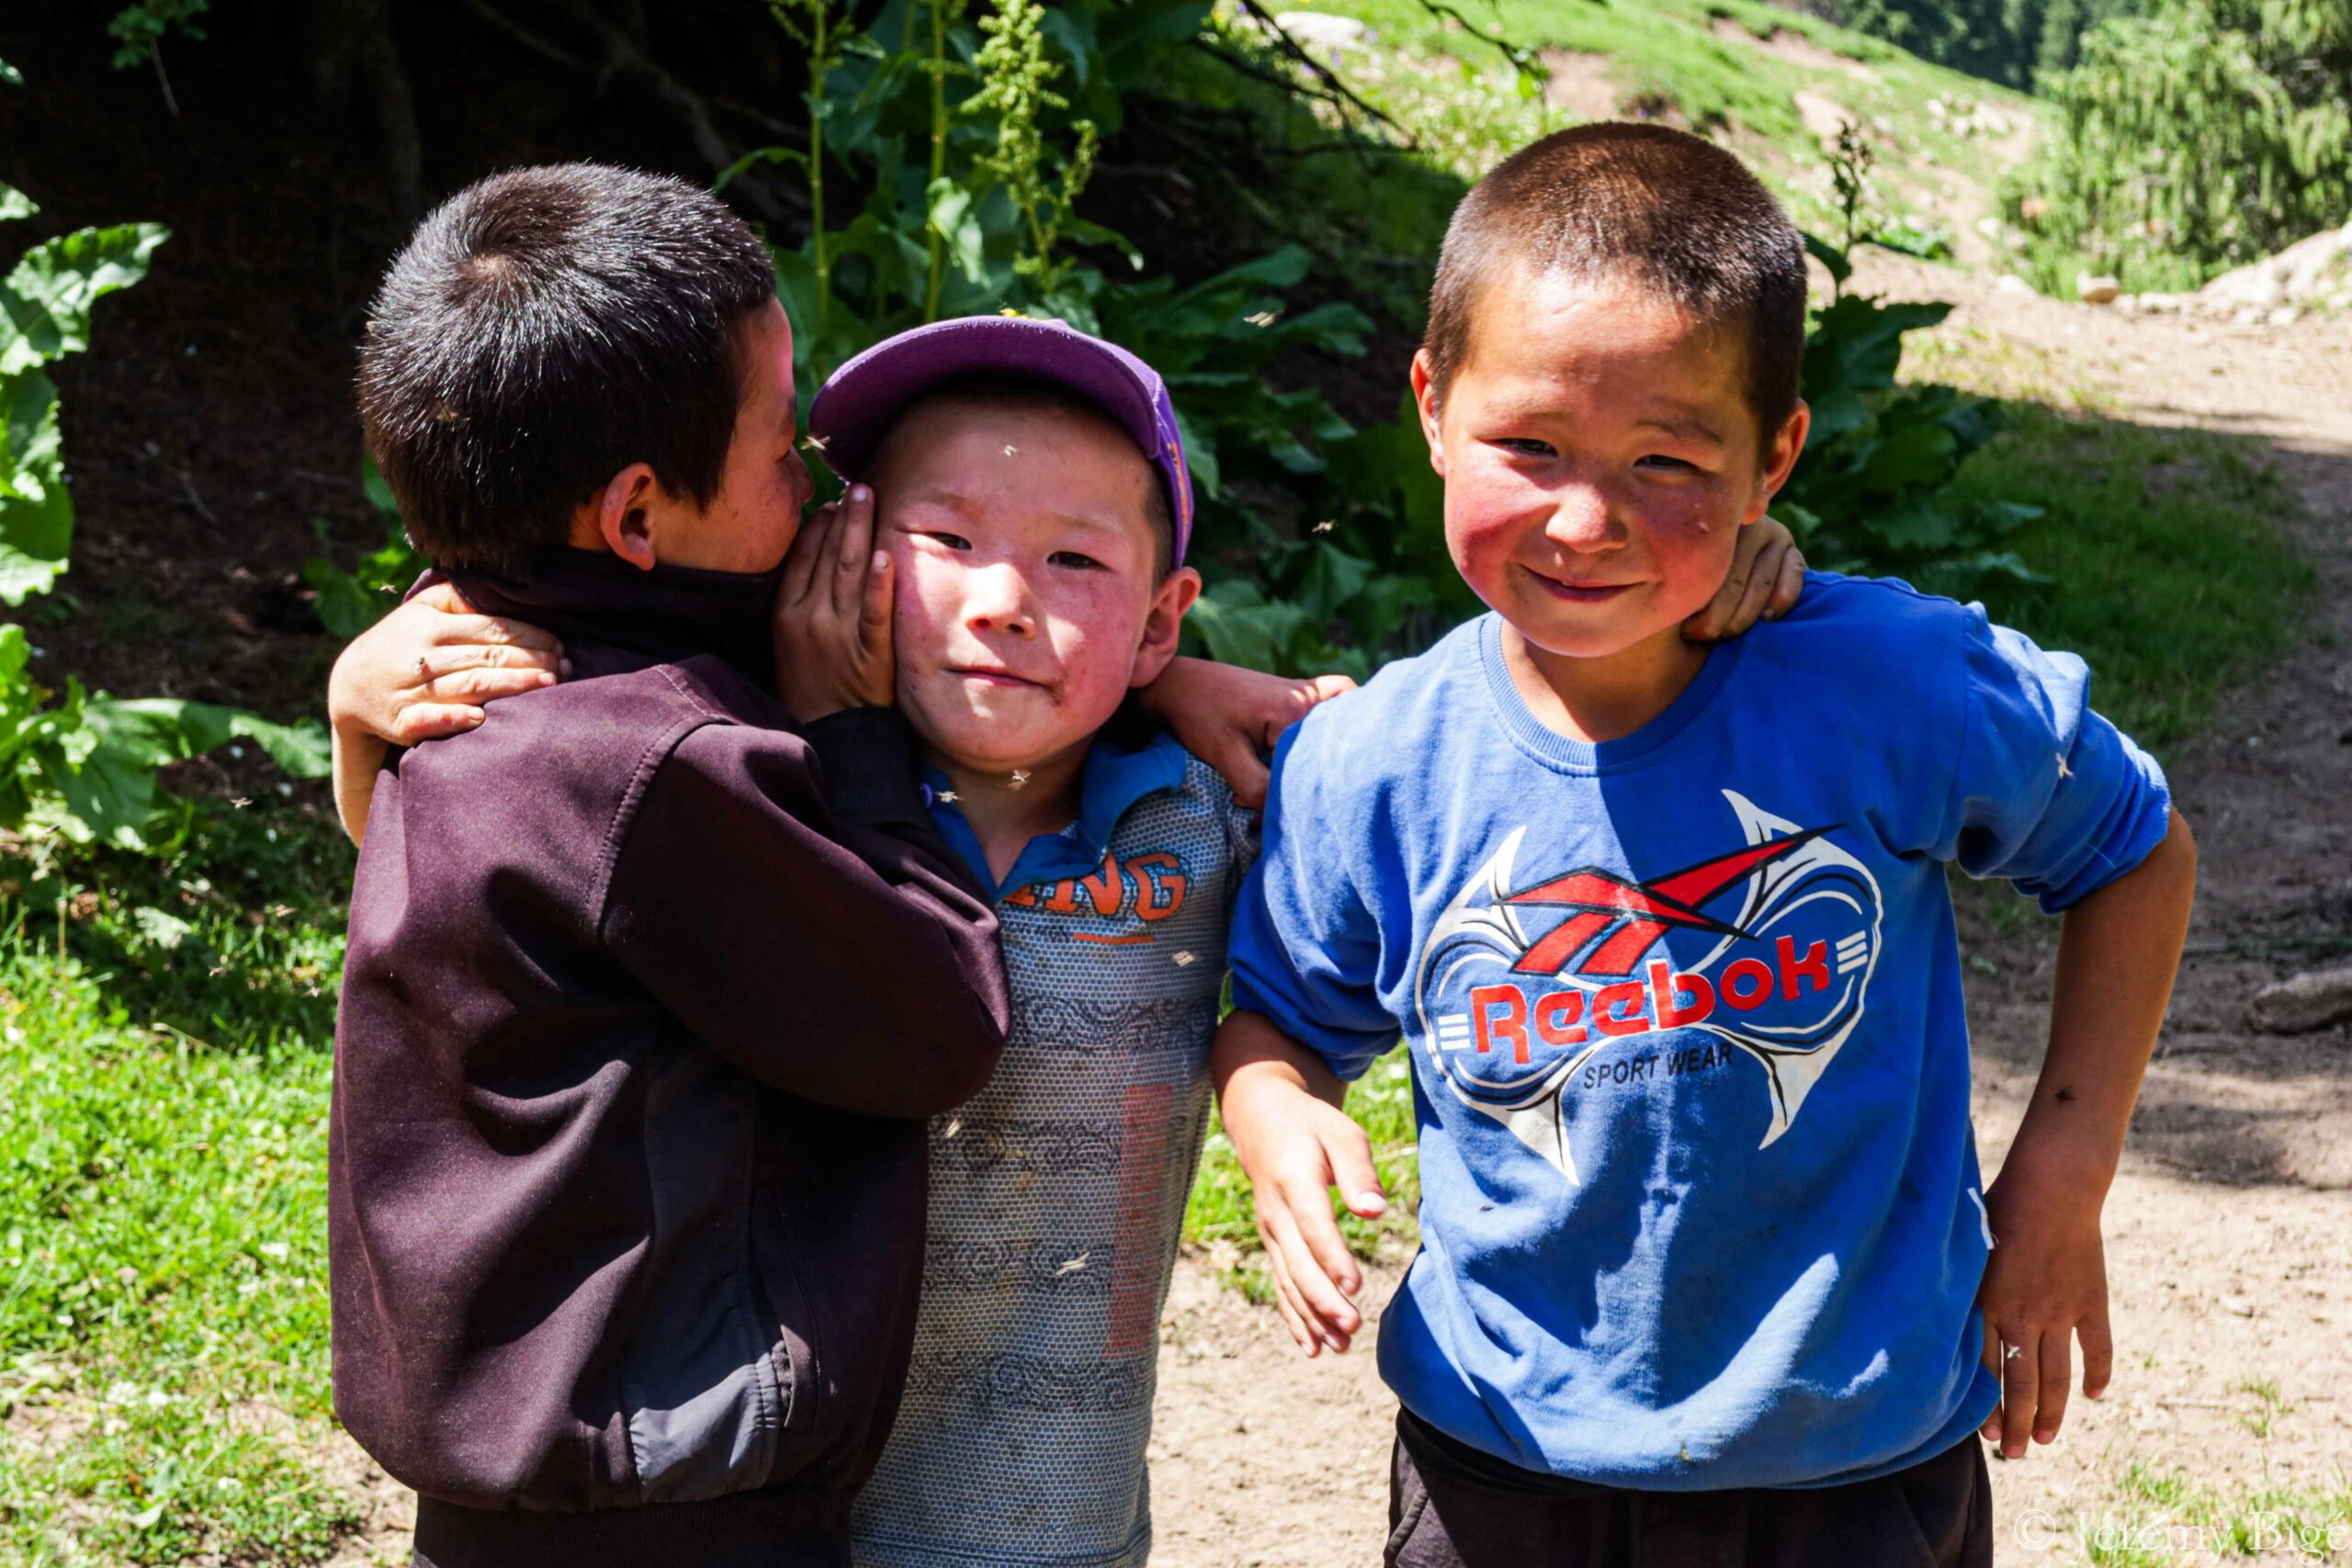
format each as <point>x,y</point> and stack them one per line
<point>1454,1506</point>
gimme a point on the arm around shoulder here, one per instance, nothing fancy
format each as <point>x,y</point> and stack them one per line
<point>828,958</point>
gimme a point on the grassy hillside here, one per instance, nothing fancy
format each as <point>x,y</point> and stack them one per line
<point>1770,82</point>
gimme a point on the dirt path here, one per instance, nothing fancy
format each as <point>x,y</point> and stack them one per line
<point>2229,1228</point>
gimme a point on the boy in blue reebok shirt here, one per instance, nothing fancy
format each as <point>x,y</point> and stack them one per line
<point>1708,1273</point>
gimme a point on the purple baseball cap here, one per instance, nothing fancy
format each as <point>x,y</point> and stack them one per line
<point>855,406</point>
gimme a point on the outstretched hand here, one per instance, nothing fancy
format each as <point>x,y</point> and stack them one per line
<point>833,614</point>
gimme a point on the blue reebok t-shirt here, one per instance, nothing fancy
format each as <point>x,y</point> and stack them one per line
<point>1699,1200</point>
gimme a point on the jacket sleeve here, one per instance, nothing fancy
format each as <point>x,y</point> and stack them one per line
<point>787,899</point>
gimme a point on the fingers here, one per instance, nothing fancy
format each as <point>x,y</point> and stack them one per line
<point>2098,1353</point>
<point>875,651</point>
<point>1243,769</point>
<point>814,545</point>
<point>494,631</point>
<point>485,684</point>
<point>1349,1151</point>
<point>854,551</point>
<point>420,722</point>
<point>2054,1373</point>
<point>2020,1390</point>
<point>1991,1430</point>
<point>1791,585</point>
<point>1762,584</point>
<point>437,662</point>
<point>1296,1211</point>
<point>443,596</point>
<point>1321,689</point>
<point>1286,1298</point>
<point>1709,624</point>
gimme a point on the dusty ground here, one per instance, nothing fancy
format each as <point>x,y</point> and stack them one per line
<point>2229,1228</point>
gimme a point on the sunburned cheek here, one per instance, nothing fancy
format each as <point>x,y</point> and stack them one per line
<point>924,599</point>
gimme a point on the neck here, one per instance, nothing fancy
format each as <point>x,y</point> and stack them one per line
<point>1005,815</point>
<point>1606,698</point>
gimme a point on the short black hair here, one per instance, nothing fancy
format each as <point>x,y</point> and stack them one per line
<point>544,328</point>
<point>1670,210</point>
<point>1001,391</point>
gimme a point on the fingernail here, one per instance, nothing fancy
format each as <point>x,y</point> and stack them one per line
<point>563,667</point>
<point>881,562</point>
<point>860,493</point>
<point>1372,1201</point>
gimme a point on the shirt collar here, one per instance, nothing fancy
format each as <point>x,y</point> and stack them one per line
<point>1111,780</point>
<point>604,603</point>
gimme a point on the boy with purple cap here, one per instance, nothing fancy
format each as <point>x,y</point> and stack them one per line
<point>1033,498</point>
<point>1028,486</point>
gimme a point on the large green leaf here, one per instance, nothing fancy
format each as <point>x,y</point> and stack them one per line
<point>1237,626</point>
<point>36,509</point>
<point>45,302</point>
<point>107,793</point>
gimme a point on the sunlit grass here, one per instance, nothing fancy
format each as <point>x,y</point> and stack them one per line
<point>163,1245</point>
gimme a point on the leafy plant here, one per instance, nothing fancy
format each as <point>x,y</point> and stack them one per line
<point>986,222</point>
<point>78,764</point>
<point>140,28</point>
<point>1872,492</point>
<point>349,603</point>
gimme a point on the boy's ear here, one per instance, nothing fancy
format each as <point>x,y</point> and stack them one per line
<point>1425,399</point>
<point>1164,625</point>
<point>622,515</point>
<point>1781,462</point>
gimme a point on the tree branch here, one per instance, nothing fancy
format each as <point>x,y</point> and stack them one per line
<point>1334,90</point>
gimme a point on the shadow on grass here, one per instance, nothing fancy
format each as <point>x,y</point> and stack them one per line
<point>234,942</point>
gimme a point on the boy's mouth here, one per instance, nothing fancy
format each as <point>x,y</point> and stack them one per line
<point>1580,593</point>
<point>986,676</point>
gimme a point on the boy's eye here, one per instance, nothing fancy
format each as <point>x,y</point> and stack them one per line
<point>953,541</point>
<point>1073,559</point>
<point>1660,461</point>
<point>1522,446</point>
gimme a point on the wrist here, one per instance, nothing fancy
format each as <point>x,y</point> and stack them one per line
<point>2056,1168</point>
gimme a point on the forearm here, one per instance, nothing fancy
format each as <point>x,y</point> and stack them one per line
<point>358,756</point>
<point>2116,955</point>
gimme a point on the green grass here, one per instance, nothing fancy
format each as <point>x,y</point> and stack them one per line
<point>2175,573</point>
<point>2164,1517</point>
<point>163,1251</point>
<point>1218,1216</point>
<point>1693,61</point>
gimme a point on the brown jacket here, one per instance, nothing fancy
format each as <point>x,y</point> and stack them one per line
<point>649,991</point>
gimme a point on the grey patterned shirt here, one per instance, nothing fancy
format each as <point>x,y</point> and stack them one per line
<point>1057,1194</point>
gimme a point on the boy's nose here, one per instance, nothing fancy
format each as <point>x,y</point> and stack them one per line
<point>998,601</point>
<point>1582,520</point>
